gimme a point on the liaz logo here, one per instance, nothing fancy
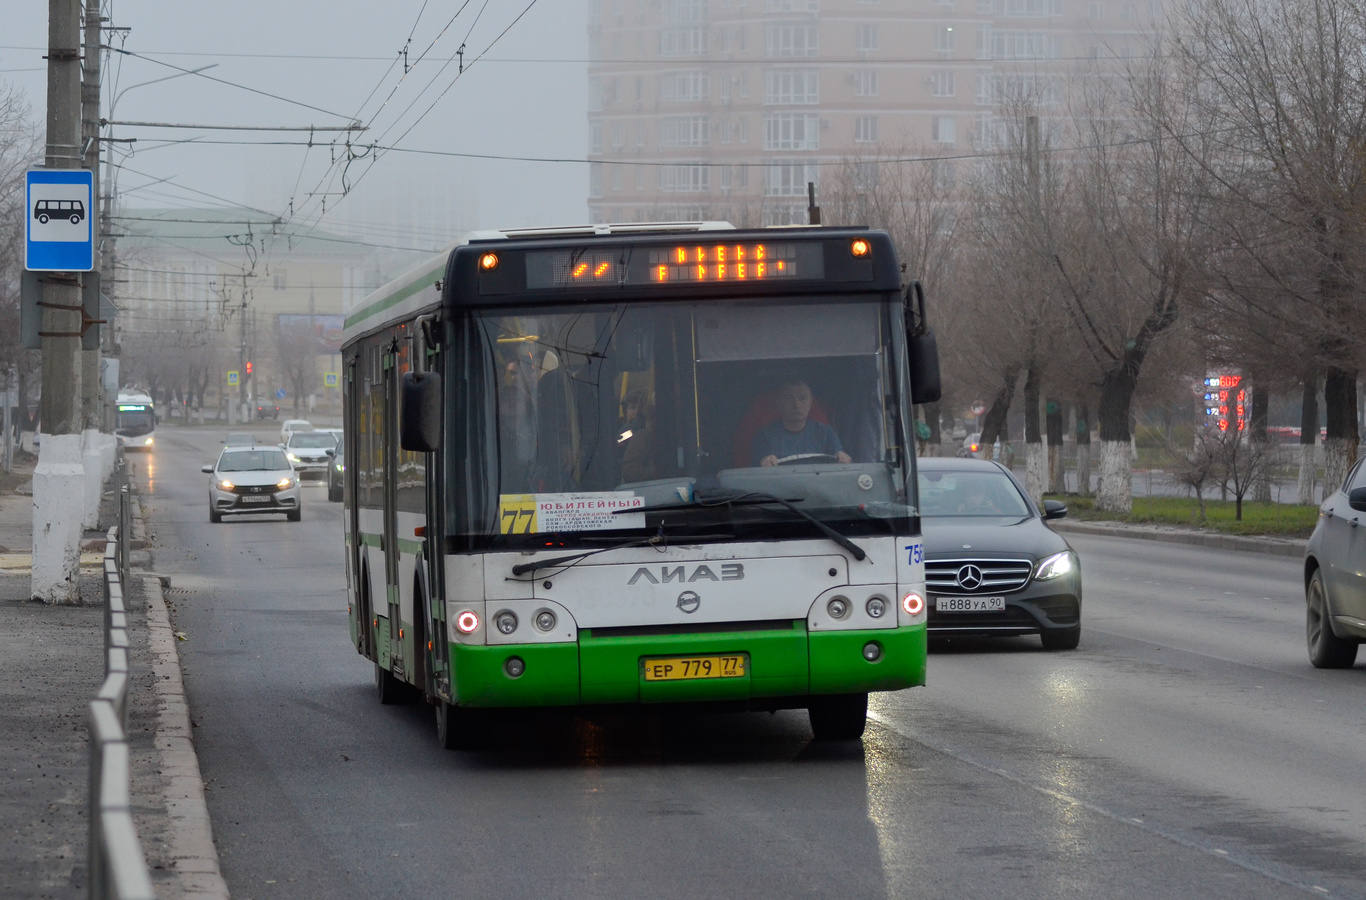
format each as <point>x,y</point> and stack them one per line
<point>729,572</point>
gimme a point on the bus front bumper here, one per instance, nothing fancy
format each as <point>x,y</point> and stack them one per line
<point>779,665</point>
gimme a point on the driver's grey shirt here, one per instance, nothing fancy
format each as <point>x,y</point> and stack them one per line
<point>775,440</point>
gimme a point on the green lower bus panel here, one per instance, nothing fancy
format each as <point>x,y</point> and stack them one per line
<point>775,666</point>
<point>550,678</point>
<point>838,665</point>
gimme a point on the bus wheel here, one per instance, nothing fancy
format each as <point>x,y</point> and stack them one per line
<point>838,717</point>
<point>389,689</point>
<point>458,728</point>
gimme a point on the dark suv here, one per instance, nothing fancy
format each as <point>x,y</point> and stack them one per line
<point>265,411</point>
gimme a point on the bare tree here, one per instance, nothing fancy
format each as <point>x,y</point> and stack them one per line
<point>20,149</point>
<point>1279,86</point>
<point>1130,256</point>
<point>1196,466</point>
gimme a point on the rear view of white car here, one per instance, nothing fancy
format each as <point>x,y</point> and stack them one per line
<point>252,480</point>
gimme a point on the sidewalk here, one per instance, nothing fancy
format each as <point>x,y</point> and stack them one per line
<point>51,664</point>
<point>1274,546</point>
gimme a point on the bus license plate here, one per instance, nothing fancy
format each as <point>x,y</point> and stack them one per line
<point>255,499</point>
<point>969,604</point>
<point>689,668</point>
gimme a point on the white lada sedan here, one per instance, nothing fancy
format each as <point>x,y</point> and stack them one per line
<point>253,480</point>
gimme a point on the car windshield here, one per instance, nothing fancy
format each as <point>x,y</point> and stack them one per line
<point>253,461</point>
<point>313,440</point>
<point>606,408</point>
<point>969,494</point>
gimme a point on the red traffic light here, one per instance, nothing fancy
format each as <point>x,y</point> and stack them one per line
<point>248,368</point>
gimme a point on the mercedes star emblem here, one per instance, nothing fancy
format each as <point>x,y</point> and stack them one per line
<point>969,578</point>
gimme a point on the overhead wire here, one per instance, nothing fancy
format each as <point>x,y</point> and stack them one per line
<point>232,84</point>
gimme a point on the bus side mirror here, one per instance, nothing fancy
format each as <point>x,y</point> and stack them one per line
<point>924,354</point>
<point>420,420</point>
<point>921,348</point>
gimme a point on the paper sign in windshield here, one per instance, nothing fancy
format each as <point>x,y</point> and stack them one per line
<point>537,513</point>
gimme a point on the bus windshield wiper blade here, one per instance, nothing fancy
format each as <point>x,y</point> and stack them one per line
<point>523,568</point>
<point>704,501</point>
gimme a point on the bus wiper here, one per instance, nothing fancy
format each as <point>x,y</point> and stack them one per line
<point>757,497</point>
<point>523,568</point>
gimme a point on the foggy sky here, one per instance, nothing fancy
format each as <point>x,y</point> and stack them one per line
<point>517,102</point>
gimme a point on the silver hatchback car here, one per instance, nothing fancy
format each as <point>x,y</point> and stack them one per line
<point>1335,575</point>
<point>253,480</point>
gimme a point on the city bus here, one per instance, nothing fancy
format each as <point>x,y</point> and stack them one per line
<point>563,480</point>
<point>135,421</point>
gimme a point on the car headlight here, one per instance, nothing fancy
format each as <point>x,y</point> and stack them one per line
<point>225,485</point>
<point>1055,566</point>
<point>340,467</point>
<point>285,483</point>
<point>147,442</point>
<point>293,458</point>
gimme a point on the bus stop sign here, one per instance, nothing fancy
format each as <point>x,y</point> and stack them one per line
<point>59,220</point>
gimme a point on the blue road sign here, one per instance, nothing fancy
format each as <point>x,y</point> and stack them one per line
<point>279,393</point>
<point>59,218</point>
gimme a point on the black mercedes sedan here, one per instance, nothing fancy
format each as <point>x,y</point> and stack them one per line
<point>992,567</point>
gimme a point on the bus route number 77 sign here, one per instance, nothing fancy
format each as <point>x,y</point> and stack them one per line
<point>59,232</point>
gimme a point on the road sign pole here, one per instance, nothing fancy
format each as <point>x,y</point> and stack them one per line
<point>59,477</point>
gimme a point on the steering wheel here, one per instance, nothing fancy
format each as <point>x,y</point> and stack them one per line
<point>797,458</point>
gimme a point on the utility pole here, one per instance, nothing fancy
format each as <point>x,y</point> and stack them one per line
<point>242,357</point>
<point>97,450</point>
<point>59,478</point>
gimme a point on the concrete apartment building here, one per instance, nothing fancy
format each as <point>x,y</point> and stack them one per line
<point>727,108</point>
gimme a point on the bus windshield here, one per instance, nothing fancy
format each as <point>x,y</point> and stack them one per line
<point>683,419</point>
<point>134,421</point>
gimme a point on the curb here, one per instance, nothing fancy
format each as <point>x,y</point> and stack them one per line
<point>192,850</point>
<point>1293,547</point>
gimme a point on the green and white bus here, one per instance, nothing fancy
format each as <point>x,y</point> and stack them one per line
<point>642,464</point>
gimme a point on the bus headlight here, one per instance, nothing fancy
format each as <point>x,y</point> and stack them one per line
<point>1055,566</point>
<point>545,620</point>
<point>505,622</point>
<point>876,606</point>
<point>838,607</point>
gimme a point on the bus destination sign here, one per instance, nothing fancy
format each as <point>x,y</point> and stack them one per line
<point>693,263</point>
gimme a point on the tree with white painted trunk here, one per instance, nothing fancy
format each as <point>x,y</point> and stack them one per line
<point>1280,84</point>
<point>1131,253</point>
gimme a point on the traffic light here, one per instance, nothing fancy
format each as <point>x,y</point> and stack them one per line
<point>248,368</point>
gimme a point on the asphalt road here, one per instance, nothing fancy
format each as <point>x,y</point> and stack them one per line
<point>1187,749</point>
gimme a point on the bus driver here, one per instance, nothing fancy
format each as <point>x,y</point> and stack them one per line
<point>794,434</point>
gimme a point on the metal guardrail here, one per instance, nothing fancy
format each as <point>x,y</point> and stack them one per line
<point>117,866</point>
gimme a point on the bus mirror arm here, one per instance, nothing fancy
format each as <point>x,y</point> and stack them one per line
<point>420,412</point>
<point>921,348</point>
